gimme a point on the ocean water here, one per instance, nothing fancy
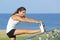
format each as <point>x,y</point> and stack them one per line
<point>51,21</point>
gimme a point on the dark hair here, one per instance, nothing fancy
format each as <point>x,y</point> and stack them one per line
<point>19,9</point>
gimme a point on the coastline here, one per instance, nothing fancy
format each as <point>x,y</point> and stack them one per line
<point>3,35</point>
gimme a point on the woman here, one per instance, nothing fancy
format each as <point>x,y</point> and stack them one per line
<point>16,17</point>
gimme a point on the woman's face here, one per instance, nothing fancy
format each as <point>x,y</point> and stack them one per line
<point>22,13</point>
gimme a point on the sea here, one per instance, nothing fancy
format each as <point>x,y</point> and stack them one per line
<point>51,21</point>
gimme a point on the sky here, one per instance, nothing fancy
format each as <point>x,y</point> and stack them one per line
<point>32,6</point>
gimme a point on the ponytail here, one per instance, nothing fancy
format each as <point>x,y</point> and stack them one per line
<point>19,9</point>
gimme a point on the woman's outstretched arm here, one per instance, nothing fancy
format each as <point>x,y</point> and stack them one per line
<point>26,19</point>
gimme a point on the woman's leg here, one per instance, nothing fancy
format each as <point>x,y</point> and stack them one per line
<point>18,32</point>
<point>12,38</point>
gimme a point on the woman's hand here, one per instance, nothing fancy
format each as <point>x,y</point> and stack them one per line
<point>39,22</point>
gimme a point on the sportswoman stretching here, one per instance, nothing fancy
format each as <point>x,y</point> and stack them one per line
<point>16,17</point>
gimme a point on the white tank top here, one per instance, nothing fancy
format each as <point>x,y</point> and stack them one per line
<point>11,24</point>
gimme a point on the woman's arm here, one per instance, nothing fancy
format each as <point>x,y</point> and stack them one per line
<point>26,19</point>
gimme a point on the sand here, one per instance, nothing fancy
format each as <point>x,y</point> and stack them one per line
<point>3,33</point>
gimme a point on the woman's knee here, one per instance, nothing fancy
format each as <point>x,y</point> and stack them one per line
<point>12,38</point>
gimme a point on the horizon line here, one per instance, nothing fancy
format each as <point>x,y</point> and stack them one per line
<point>32,13</point>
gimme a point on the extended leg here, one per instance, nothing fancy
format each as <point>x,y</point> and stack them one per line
<point>18,32</point>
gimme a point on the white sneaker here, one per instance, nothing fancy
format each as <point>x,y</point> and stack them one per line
<point>41,28</point>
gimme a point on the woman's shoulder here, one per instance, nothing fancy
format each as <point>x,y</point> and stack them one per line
<point>14,17</point>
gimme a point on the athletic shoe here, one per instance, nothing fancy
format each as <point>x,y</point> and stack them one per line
<point>42,28</point>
